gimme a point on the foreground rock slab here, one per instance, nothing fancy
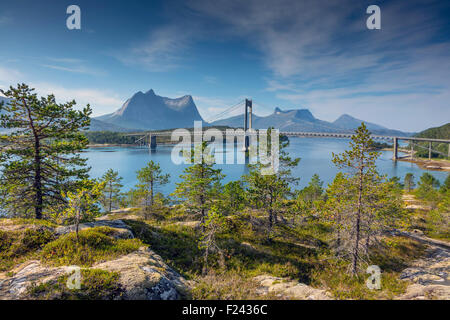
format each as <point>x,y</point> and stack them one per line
<point>143,276</point>
<point>430,276</point>
<point>123,231</point>
<point>289,289</point>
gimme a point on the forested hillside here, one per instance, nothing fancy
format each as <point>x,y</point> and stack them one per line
<point>442,132</point>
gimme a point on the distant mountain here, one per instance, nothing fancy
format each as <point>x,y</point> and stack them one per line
<point>148,111</point>
<point>442,132</point>
<point>98,125</point>
<point>347,122</point>
<point>303,120</point>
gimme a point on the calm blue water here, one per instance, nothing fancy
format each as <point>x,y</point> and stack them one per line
<point>315,154</point>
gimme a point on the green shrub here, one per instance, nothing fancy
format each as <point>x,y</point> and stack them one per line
<point>96,284</point>
<point>17,246</point>
<point>94,245</point>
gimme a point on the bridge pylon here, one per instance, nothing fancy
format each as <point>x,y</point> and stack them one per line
<point>247,123</point>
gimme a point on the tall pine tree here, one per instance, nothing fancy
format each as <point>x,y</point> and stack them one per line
<point>40,156</point>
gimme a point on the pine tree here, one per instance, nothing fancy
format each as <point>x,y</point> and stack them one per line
<point>200,184</point>
<point>360,163</point>
<point>83,202</point>
<point>409,181</point>
<point>150,179</point>
<point>111,192</point>
<point>445,187</point>
<point>213,225</point>
<point>40,156</point>
<point>268,191</point>
<point>234,196</point>
<point>338,206</point>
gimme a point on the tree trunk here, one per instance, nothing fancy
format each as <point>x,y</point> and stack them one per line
<point>37,180</point>
<point>355,254</point>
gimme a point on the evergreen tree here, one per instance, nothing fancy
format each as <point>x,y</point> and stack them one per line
<point>213,225</point>
<point>445,187</point>
<point>200,185</point>
<point>338,207</point>
<point>40,156</point>
<point>233,194</point>
<point>314,190</point>
<point>150,179</point>
<point>111,192</point>
<point>409,181</point>
<point>269,191</point>
<point>359,162</point>
<point>83,202</point>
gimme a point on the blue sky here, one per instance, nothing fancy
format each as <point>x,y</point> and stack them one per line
<point>289,54</point>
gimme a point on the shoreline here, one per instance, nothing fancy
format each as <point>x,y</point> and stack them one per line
<point>433,164</point>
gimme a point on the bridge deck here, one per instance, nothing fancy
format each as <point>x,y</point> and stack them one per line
<point>305,134</point>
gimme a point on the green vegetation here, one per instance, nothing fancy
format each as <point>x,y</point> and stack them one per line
<point>17,246</point>
<point>268,187</point>
<point>369,204</point>
<point>93,245</point>
<point>150,179</point>
<point>434,221</point>
<point>109,137</point>
<point>96,284</point>
<point>219,236</point>
<point>111,191</point>
<point>201,182</point>
<point>442,132</point>
<point>40,159</point>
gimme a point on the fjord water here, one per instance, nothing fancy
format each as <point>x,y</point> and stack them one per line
<point>315,154</point>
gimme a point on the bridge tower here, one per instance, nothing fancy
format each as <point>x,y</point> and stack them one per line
<point>247,122</point>
<point>395,155</point>
<point>152,142</point>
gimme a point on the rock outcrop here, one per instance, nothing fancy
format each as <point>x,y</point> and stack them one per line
<point>122,230</point>
<point>143,276</point>
<point>430,276</point>
<point>289,289</point>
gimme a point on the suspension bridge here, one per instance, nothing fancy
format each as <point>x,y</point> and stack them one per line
<point>149,138</point>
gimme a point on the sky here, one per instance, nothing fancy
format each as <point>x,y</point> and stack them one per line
<point>314,54</point>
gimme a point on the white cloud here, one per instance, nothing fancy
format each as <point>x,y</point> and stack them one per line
<point>101,101</point>
<point>322,57</point>
<point>72,65</point>
<point>163,50</point>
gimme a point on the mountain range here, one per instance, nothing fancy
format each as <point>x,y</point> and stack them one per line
<point>148,111</point>
<point>303,120</point>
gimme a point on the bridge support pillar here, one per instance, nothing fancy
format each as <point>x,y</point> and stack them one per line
<point>152,142</point>
<point>429,150</point>
<point>412,149</point>
<point>395,155</point>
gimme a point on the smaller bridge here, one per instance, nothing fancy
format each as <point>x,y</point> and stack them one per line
<point>414,139</point>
